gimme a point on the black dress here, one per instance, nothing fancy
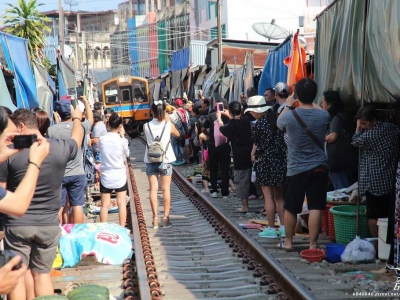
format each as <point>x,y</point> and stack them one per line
<point>271,165</point>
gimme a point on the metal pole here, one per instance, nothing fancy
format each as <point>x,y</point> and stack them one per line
<point>362,103</point>
<point>130,9</point>
<point>219,33</point>
<point>61,26</point>
<point>78,23</point>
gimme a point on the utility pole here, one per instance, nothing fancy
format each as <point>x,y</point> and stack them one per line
<point>78,48</point>
<point>219,33</point>
<point>61,26</point>
<point>130,9</point>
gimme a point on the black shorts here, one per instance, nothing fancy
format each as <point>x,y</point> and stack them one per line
<point>313,184</point>
<point>377,206</point>
<point>105,190</point>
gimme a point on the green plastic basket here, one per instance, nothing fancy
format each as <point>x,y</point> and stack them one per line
<point>345,217</point>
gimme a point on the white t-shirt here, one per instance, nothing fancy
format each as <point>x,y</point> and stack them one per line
<point>113,150</point>
<point>156,128</point>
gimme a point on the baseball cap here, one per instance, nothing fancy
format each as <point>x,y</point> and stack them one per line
<point>282,88</point>
<point>63,108</point>
<point>179,102</point>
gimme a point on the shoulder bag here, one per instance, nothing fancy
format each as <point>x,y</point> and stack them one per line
<point>308,131</point>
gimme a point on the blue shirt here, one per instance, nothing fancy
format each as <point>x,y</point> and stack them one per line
<point>303,153</point>
<point>3,193</point>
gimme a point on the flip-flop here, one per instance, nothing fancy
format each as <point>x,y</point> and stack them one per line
<point>281,246</point>
<point>263,212</point>
<point>240,210</point>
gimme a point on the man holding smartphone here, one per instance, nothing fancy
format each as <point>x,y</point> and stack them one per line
<point>18,202</point>
<point>35,235</point>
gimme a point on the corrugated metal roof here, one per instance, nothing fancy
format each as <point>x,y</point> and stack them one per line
<point>198,52</point>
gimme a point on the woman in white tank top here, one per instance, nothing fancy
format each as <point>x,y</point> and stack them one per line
<point>160,127</point>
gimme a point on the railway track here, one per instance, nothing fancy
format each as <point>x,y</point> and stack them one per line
<point>204,255</point>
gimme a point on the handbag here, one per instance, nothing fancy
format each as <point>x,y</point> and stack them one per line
<point>308,131</point>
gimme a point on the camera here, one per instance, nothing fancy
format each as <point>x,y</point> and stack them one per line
<point>5,257</point>
<point>24,141</point>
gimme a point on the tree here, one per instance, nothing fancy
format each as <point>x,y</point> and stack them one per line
<point>25,21</point>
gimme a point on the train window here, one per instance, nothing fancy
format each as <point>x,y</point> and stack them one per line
<point>139,91</point>
<point>111,93</point>
<point>126,94</point>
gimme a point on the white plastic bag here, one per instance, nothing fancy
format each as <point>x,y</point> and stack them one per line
<point>358,251</point>
<point>253,175</point>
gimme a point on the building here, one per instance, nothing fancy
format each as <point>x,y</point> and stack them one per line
<point>91,32</point>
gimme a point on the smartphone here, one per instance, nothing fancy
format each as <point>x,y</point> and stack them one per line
<point>79,92</point>
<point>6,256</point>
<point>294,96</point>
<point>24,141</point>
<point>220,106</point>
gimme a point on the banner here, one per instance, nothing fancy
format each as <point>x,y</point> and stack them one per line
<point>5,98</point>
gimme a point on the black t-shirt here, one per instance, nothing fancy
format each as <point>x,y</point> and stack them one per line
<point>239,134</point>
<point>209,124</point>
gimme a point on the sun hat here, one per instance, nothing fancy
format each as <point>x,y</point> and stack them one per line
<point>257,104</point>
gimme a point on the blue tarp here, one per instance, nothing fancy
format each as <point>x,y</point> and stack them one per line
<point>275,70</point>
<point>180,59</point>
<point>62,90</point>
<point>16,52</point>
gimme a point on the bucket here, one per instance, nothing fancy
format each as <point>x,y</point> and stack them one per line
<point>334,251</point>
<point>383,248</point>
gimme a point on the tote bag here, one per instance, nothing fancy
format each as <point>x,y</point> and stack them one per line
<point>219,138</point>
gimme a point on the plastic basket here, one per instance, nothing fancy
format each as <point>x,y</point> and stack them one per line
<point>345,217</point>
<point>325,224</point>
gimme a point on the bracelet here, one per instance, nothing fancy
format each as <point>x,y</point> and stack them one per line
<point>76,118</point>
<point>31,162</point>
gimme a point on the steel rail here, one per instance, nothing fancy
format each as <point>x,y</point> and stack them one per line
<point>142,279</point>
<point>291,287</point>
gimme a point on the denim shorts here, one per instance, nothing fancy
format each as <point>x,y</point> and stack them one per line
<point>74,186</point>
<point>154,169</point>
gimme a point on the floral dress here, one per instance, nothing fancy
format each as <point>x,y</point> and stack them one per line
<point>271,165</point>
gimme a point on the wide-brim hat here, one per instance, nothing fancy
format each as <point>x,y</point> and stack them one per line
<point>257,104</point>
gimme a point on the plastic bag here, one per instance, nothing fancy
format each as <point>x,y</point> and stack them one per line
<point>358,251</point>
<point>219,138</point>
<point>253,175</point>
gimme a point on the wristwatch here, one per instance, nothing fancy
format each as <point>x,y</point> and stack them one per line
<point>291,107</point>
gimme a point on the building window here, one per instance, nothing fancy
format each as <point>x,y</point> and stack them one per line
<point>212,10</point>
<point>214,32</point>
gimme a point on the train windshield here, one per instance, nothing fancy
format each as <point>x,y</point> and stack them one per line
<point>111,92</point>
<point>139,91</point>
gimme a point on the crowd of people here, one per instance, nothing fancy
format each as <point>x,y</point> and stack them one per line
<point>280,146</point>
<point>43,185</point>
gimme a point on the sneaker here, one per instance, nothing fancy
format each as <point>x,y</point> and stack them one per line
<point>224,197</point>
<point>180,163</point>
<point>205,191</point>
<point>155,223</point>
<point>167,223</point>
<point>214,195</point>
<point>175,163</point>
<point>282,232</point>
<point>268,233</point>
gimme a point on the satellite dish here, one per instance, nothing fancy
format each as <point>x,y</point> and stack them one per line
<point>271,30</point>
<point>71,3</point>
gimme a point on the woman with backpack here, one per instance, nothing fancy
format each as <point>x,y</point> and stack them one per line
<point>113,151</point>
<point>158,158</point>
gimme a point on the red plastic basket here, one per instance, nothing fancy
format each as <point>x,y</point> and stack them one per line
<point>325,222</point>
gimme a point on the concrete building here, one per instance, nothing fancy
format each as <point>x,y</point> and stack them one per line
<point>87,39</point>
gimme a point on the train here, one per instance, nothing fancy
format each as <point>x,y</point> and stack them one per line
<point>130,97</point>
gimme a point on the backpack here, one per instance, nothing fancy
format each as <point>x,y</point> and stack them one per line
<point>155,150</point>
<point>180,126</point>
<point>88,161</point>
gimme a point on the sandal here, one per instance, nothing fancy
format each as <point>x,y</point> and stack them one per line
<point>281,246</point>
<point>240,210</point>
<point>155,222</point>
<point>263,212</point>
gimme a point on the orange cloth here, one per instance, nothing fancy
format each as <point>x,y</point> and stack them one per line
<point>296,63</point>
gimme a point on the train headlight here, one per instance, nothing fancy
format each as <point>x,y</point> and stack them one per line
<point>122,79</point>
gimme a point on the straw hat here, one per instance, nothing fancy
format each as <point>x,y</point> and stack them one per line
<point>257,104</point>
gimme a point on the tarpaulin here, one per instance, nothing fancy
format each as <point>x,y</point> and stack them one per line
<point>275,70</point>
<point>296,63</point>
<point>45,96</point>
<point>5,98</point>
<point>180,59</point>
<point>16,53</point>
<point>339,49</point>
<point>248,73</point>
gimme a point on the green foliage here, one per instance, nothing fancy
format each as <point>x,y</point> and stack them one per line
<point>24,20</point>
<point>50,69</point>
